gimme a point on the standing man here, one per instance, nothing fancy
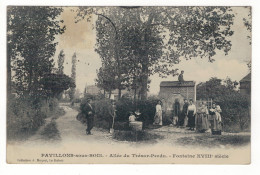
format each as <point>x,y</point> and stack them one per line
<point>184,114</point>
<point>180,78</point>
<point>88,110</point>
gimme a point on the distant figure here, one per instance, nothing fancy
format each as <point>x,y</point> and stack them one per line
<point>216,123</point>
<point>158,114</point>
<point>132,117</point>
<point>202,123</point>
<point>180,78</point>
<point>183,120</point>
<point>88,111</point>
<point>112,114</point>
<point>191,115</point>
<point>176,112</point>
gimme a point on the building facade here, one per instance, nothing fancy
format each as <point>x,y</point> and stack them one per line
<point>245,85</point>
<point>175,91</point>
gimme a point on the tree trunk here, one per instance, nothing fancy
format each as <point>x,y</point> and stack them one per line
<point>144,83</point>
<point>135,95</point>
<point>145,71</point>
<point>109,95</point>
<point>9,80</point>
<point>119,93</point>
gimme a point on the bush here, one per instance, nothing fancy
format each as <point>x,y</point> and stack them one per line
<point>235,111</point>
<point>123,107</point>
<point>25,116</point>
<point>101,107</point>
<point>146,107</point>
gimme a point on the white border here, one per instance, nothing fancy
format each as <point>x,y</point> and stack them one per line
<point>135,169</point>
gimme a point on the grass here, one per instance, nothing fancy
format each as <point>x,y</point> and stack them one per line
<point>50,132</point>
<point>211,141</point>
<point>135,136</point>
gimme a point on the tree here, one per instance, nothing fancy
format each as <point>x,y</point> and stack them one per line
<point>55,84</point>
<point>31,32</point>
<point>215,88</point>
<point>235,107</point>
<point>106,78</point>
<point>73,75</point>
<point>162,36</point>
<point>61,59</point>
<point>248,24</point>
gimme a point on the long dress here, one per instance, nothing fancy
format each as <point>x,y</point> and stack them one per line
<point>202,123</point>
<point>216,126</point>
<point>191,116</point>
<point>158,115</point>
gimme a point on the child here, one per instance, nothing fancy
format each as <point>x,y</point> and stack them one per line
<point>132,117</point>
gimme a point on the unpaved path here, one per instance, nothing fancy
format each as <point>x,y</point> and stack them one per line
<point>70,130</point>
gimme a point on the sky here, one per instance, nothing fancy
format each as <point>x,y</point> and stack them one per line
<point>80,38</point>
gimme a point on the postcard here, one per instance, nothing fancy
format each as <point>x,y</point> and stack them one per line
<point>129,85</point>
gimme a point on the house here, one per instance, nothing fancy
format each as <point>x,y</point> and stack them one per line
<point>94,90</point>
<point>245,85</point>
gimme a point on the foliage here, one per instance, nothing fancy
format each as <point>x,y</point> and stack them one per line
<point>153,39</point>
<point>248,24</point>
<point>106,78</point>
<point>215,88</point>
<point>51,132</point>
<point>31,45</point>
<point>235,107</point>
<point>146,107</point>
<point>24,117</point>
<point>61,59</point>
<point>235,110</point>
<point>55,84</point>
<point>73,76</point>
<point>31,32</point>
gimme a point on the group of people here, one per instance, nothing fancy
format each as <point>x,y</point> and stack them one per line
<point>200,119</point>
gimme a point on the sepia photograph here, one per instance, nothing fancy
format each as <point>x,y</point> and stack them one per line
<point>128,84</point>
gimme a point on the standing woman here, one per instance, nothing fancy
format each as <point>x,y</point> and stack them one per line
<point>216,127</point>
<point>202,123</point>
<point>191,115</point>
<point>158,114</point>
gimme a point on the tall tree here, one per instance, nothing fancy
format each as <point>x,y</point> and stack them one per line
<point>162,36</point>
<point>248,24</point>
<point>61,59</point>
<point>31,33</point>
<point>215,88</point>
<point>106,78</point>
<point>73,75</point>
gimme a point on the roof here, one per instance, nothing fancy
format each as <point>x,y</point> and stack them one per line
<point>247,78</point>
<point>177,84</point>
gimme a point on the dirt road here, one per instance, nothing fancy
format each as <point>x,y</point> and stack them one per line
<point>68,130</point>
<point>66,135</point>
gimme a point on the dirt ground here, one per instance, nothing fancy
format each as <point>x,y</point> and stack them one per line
<point>67,129</point>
